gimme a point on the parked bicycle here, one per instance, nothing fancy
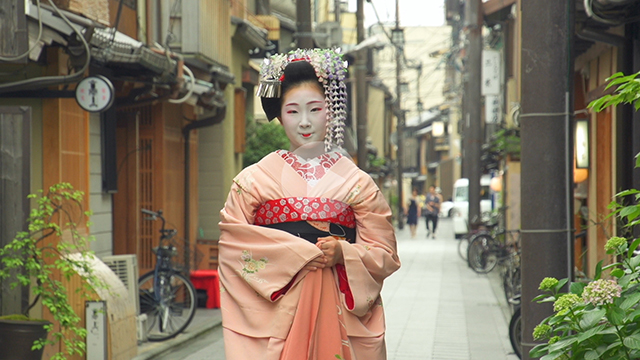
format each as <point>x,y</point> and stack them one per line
<point>488,222</point>
<point>167,296</point>
<point>487,249</point>
<point>515,329</point>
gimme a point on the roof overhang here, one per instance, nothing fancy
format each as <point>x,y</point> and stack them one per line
<point>255,36</point>
<point>492,6</point>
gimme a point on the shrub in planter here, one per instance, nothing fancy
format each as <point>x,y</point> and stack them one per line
<point>39,258</point>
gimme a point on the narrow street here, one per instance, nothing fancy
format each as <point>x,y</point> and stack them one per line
<point>436,308</point>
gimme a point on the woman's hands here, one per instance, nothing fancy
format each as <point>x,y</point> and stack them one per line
<point>331,254</point>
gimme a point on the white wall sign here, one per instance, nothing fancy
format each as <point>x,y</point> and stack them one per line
<point>96,325</point>
<point>490,72</point>
<point>95,93</point>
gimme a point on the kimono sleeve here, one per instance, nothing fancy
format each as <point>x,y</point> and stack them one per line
<point>374,255</point>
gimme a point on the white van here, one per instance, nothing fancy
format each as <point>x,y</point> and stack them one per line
<point>460,211</point>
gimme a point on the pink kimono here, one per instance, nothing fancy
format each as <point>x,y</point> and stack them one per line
<point>274,309</point>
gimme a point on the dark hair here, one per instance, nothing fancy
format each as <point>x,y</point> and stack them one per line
<point>296,73</point>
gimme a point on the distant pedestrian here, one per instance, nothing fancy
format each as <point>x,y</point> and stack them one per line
<point>439,193</point>
<point>413,212</point>
<point>431,210</point>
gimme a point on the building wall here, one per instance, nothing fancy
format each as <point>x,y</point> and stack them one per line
<point>419,43</point>
<point>101,204</point>
<point>217,160</point>
<point>376,119</point>
<point>97,10</point>
<point>211,186</point>
<point>596,65</point>
<point>36,137</point>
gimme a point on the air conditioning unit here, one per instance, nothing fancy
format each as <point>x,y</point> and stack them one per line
<point>126,268</point>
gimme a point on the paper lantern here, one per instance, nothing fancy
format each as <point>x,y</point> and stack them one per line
<point>496,183</point>
<point>580,175</point>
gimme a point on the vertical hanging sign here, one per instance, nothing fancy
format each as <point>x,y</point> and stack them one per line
<point>491,85</point>
<point>490,72</point>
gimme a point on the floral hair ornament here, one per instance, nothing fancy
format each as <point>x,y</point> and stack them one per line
<point>330,69</point>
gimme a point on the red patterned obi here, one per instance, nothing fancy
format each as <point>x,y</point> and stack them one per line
<point>294,215</point>
<point>305,209</point>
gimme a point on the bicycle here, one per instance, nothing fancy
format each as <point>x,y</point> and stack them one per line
<point>515,330</point>
<point>485,251</point>
<point>487,223</point>
<point>167,296</point>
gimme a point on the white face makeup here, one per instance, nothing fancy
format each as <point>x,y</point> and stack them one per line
<point>304,115</point>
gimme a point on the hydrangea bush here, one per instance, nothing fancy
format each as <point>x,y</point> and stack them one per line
<point>595,320</point>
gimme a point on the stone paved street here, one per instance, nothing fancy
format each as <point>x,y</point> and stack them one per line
<point>437,308</point>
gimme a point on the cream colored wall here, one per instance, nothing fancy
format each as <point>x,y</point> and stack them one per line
<point>419,43</point>
<point>375,124</point>
<point>101,203</point>
<point>348,23</point>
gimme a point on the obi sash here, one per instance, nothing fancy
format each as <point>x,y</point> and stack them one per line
<point>295,215</point>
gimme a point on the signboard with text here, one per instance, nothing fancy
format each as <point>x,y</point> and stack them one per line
<point>491,72</point>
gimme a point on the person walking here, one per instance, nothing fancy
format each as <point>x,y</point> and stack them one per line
<point>306,236</point>
<point>432,208</point>
<point>413,213</point>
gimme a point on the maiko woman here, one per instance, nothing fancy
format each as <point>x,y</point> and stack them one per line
<point>306,236</point>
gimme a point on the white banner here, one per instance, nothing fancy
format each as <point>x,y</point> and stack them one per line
<point>492,111</point>
<point>491,65</point>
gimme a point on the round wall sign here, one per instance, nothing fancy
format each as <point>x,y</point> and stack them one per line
<point>95,93</point>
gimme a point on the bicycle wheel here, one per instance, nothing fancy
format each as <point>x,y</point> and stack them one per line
<point>515,332</point>
<point>482,254</point>
<point>463,246</point>
<point>511,283</point>
<point>171,310</point>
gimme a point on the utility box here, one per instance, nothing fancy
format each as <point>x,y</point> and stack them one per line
<point>120,313</point>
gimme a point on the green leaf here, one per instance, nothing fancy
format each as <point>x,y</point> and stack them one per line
<point>630,301</point>
<point>591,355</point>
<point>543,296</point>
<point>577,288</point>
<point>625,280</point>
<point>632,341</point>
<point>630,212</point>
<point>562,344</point>
<point>591,317</point>
<point>615,315</point>
<point>617,273</point>
<point>598,270</point>
<point>632,317</point>
<point>538,350</point>
<point>633,247</point>
<point>560,284</point>
<point>582,336</point>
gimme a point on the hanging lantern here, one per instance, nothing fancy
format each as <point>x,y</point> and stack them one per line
<point>496,183</point>
<point>579,174</point>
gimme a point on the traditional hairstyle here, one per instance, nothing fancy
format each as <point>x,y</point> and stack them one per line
<point>283,71</point>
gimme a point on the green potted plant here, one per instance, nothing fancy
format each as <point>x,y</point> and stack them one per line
<point>38,259</point>
<point>600,319</point>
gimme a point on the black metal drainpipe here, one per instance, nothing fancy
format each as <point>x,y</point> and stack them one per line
<point>186,131</point>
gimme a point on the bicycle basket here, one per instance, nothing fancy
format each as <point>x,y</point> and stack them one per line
<point>180,254</point>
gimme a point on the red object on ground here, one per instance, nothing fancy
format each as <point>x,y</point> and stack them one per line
<point>208,280</point>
